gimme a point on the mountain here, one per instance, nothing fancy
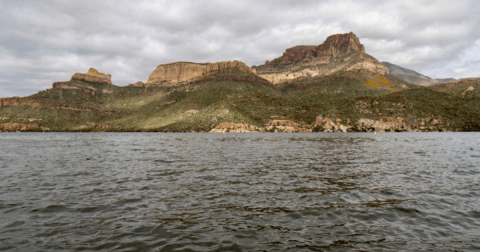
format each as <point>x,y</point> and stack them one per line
<point>339,52</point>
<point>334,86</point>
<point>410,76</point>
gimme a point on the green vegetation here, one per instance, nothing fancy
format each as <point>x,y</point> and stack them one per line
<point>200,106</point>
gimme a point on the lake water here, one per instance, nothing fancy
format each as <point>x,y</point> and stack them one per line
<point>240,192</point>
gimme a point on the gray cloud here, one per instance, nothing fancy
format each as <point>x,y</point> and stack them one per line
<point>46,41</point>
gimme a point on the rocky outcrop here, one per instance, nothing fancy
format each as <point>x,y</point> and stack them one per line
<point>328,125</point>
<point>93,76</point>
<point>286,126</point>
<point>235,128</point>
<point>368,67</point>
<point>21,127</point>
<point>175,73</point>
<point>339,52</point>
<point>66,85</point>
<point>334,45</point>
<point>340,43</point>
<point>17,101</point>
<point>387,124</point>
<point>296,53</point>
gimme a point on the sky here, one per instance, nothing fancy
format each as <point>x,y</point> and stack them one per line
<point>46,41</point>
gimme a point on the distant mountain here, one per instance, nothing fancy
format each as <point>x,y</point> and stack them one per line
<point>412,76</point>
<point>339,52</point>
<point>444,80</point>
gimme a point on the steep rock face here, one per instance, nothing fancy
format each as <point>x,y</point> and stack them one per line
<point>181,72</point>
<point>339,52</point>
<point>293,54</point>
<point>340,43</point>
<point>93,76</point>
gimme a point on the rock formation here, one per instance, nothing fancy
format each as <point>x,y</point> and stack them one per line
<point>93,76</point>
<point>175,73</point>
<point>286,126</point>
<point>339,52</point>
<point>17,101</point>
<point>21,127</point>
<point>66,85</point>
<point>235,128</point>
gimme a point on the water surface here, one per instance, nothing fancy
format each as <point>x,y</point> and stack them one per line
<point>240,192</point>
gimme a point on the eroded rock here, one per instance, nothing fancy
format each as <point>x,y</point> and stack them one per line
<point>235,128</point>
<point>182,72</point>
<point>93,76</point>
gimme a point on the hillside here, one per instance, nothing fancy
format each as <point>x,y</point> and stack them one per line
<point>351,92</point>
<point>410,76</point>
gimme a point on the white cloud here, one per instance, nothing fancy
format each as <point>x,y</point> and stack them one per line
<point>46,41</point>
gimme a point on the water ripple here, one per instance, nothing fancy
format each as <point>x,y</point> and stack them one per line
<point>240,192</point>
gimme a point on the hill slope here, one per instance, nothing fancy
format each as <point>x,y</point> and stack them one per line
<point>410,76</point>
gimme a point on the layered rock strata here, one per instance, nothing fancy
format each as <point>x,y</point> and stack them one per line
<point>339,52</point>
<point>17,101</point>
<point>66,85</point>
<point>93,76</point>
<point>175,73</point>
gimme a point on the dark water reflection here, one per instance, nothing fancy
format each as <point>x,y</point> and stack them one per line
<point>240,192</point>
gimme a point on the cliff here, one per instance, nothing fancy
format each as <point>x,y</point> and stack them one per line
<point>93,76</point>
<point>175,73</point>
<point>339,52</point>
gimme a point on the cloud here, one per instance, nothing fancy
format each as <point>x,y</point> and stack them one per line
<point>46,41</point>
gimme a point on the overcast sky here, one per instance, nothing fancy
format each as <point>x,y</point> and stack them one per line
<point>43,41</point>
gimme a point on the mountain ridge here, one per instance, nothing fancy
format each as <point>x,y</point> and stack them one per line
<point>332,87</point>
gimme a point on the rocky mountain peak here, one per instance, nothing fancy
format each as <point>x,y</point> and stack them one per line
<point>333,45</point>
<point>340,43</point>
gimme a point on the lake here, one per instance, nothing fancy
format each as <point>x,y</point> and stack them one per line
<point>240,192</point>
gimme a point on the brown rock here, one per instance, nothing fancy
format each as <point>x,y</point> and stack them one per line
<point>334,45</point>
<point>21,127</point>
<point>382,125</point>
<point>234,128</point>
<point>17,101</point>
<point>340,43</point>
<point>93,76</point>
<point>181,72</point>
<point>294,54</point>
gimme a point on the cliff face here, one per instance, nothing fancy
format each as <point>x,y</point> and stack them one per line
<point>340,43</point>
<point>93,76</point>
<point>175,73</point>
<point>339,52</point>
